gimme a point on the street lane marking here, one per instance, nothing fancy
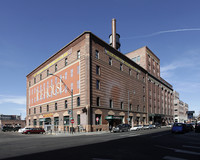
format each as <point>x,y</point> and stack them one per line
<point>179,150</point>
<point>191,147</point>
<point>173,158</point>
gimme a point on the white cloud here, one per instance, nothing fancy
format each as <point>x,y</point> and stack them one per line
<point>13,99</point>
<point>162,32</point>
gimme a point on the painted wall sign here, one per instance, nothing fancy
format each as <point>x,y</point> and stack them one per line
<point>52,88</point>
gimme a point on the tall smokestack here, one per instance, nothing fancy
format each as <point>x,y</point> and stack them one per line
<point>114,33</point>
<point>114,37</point>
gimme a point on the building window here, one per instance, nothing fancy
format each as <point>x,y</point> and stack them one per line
<point>134,59</point>
<point>98,101</point>
<point>138,59</point>
<point>29,83</point>
<point>78,101</point>
<point>29,122</point>
<point>66,120</point>
<point>78,119</point>
<point>78,54</point>
<point>130,107</point>
<point>41,121</point>
<point>97,84</point>
<point>35,122</point>
<point>122,105</point>
<point>78,69</point>
<point>110,61</point>
<point>111,103</point>
<point>143,89</point>
<point>47,72</point>
<point>65,104</point>
<point>34,110</point>
<point>78,84</point>
<point>40,109</point>
<point>29,111</point>
<point>143,98</point>
<point>130,72</point>
<point>121,67</point>
<point>138,108</point>
<point>71,72</point>
<point>97,54</point>
<point>34,80</point>
<point>56,67</point>
<point>66,61</point>
<point>56,107</point>
<point>40,76</point>
<point>47,108</point>
<point>56,121</point>
<point>143,108</point>
<point>143,79</point>
<point>97,70</point>
<point>98,119</point>
<point>137,75</point>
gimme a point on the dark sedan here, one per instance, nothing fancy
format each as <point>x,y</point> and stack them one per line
<point>122,128</point>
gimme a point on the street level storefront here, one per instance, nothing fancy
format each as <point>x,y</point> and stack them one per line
<point>160,118</point>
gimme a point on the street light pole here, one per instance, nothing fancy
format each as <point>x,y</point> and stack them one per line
<point>71,91</point>
<point>72,109</point>
<point>128,107</point>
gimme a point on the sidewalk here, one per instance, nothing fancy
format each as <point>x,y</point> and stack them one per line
<point>61,134</point>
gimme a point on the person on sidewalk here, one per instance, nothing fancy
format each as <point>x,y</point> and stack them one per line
<point>110,128</point>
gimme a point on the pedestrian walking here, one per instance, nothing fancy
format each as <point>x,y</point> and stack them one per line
<point>110,128</point>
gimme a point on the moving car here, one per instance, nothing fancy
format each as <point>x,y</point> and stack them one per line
<point>34,131</point>
<point>179,128</point>
<point>136,128</point>
<point>189,127</point>
<point>122,128</point>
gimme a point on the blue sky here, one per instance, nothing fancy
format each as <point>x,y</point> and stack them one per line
<point>33,30</point>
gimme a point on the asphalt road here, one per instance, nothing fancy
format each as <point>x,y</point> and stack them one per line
<point>147,144</point>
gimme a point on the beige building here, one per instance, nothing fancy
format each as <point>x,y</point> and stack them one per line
<point>180,109</point>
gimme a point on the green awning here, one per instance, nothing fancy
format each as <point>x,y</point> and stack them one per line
<point>112,117</point>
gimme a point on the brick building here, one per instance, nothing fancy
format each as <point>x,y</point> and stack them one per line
<point>11,120</point>
<point>108,87</point>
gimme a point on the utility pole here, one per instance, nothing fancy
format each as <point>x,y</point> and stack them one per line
<point>128,108</point>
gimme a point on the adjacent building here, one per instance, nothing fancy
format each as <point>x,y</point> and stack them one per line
<point>180,109</point>
<point>89,85</point>
<point>11,120</point>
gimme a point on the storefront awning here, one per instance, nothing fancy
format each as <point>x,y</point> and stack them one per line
<point>112,117</point>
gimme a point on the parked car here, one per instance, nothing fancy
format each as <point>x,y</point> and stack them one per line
<point>34,131</point>
<point>197,128</point>
<point>10,128</point>
<point>179,128</point>
<point>151,126</point>
<point>169,125</point>
<point>136,128</point>
<point>122,128</point>
<point>157,125</point>
<point>146,127</point>
<point>189,127</point>
<point>23,129</point>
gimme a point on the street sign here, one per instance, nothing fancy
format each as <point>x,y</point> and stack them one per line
<point>72,120</point>
<point>97,119</point>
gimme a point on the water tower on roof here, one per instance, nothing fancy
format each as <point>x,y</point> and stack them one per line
<point>114,37</point>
